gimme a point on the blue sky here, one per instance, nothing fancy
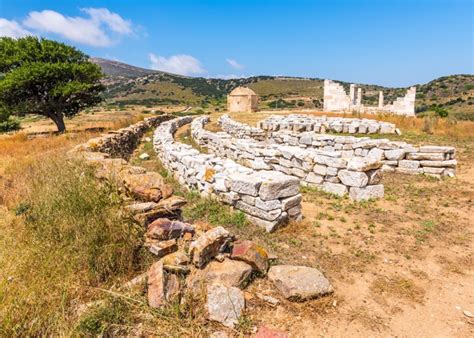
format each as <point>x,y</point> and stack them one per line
<point>386,42</point>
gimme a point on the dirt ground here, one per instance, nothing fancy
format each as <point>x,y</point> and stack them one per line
<point>400,266</point>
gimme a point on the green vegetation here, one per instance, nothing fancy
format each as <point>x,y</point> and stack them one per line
<point>48,78</point>
<point>8,123</point>
<point>70,240</point>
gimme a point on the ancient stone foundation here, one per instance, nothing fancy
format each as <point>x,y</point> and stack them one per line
<point>358,177</point>
<point>240,130</point>
<point>396,156</point>
<point>269,199</point>
<point>322,124</point>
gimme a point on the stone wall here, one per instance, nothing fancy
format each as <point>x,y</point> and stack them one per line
<point>240,130</point>
<point>322,124</point>
<point>267,198</point>
<point>149,196</point>
<point>122,142</point>
<point>335,97</point>
<point>360,177</point>
<point>395,155</point>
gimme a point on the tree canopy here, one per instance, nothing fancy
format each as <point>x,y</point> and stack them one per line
<point>45,77</point>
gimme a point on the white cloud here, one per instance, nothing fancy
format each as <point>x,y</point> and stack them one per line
<point>114,21</point>
<point>177,64</point>
<point>235,64</point>
<point>12,29</point>
<point>86,30</point>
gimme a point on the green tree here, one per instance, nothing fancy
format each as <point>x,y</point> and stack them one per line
<point>45,77</point>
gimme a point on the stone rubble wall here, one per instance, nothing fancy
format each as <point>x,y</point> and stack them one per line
<point>267,198</point>
<point>322,124</point>
<point>122,142</point>
<point>358,177</point>
<point>396,156</point>
<point>149,196</point>
<point>240,130</point>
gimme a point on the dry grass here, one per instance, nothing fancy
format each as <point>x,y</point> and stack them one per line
<point>396,286</point>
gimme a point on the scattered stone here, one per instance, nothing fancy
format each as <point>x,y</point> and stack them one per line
<point>164,229</point>
<point>207,246</point>
<point>299,282</point>
<point>144,156</point>
<point>229,273</point>
<point>178,258</point>
<point>225,304</point>
<point>366,193</point>
<point>156,285</point>
<point>252,254</point>
<point>164,248</point>
<point>468,314</point>
<point>147,187</point>
<point>271,300</point>
<point>137,208</point>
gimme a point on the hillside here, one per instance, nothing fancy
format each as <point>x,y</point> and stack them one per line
<point>133,85</point>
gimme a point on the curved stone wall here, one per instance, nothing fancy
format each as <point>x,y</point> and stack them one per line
<point>396,156</point>
<point>268,199</point>
<point>238,129</point>
<point>322,124</point>
<point>360,177</point>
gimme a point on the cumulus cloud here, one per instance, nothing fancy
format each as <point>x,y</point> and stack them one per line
<point>12,29</point>
<point>177,64</point>
<point>92,30</point>
<point>234,64</point>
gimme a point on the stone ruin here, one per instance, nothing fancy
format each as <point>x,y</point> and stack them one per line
<point>336,99</point>
<point>240,130</point>
<point>323,124</point>
<point>197,259</point>
<point>357,177</point>
<point>396,156</point>
<point>269,199</point>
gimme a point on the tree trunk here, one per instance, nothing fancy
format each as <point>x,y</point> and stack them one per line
<point>58,119</point>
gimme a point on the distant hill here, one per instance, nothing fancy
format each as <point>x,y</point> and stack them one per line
<point>133,85</point>
<point>119,69</point>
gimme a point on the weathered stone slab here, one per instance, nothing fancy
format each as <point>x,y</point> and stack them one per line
<point>156,285</point>
<point>245,184</point>
<point>445,164</point>
<point>299,282</point>
<point>164,248</point>
<point>335,188</point>
<point>269,226</point>
<point>164,229</point>
<point>363,164</point>
<point>408,164</point>
<point>276,185</point>
<point>225,304</point>
<point>254,211</point>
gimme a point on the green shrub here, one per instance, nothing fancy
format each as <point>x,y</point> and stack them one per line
<point>9,124</point>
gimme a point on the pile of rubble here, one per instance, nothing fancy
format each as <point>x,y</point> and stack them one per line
<point>322,124</point>
<point>202,261</point>
<point>396,156</point>
<point>358,177</point>
<point>240,130</point>
<point>269,199</point>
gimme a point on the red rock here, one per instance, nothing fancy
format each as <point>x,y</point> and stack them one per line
<point>208,245</point>
<point>156,285</point>
<point>164,248</point>
<point>265,332</point>
<point>252,254</point>
<point>164,229</point>
<point>172,290</point>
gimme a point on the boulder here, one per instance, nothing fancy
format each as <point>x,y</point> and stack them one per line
<point>225,304</point>
<point>228,272</point>
<point>207,246</point>
<point>299,282</point>
<point>252,254</point>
